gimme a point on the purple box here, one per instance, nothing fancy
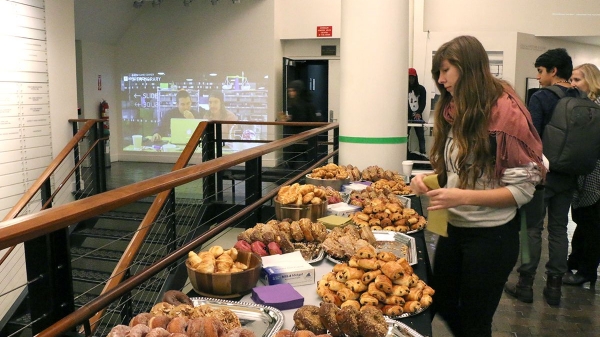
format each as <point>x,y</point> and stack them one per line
<point>281,296</point>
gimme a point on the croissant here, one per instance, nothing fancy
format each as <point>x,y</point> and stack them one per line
<point>322,288</point>
<point>393,270</point>
<point>378,294</point>
<point>395,300</point>
<point>353,262</point>
<point>370,264</point>
<point>408,269</point>
<point>331,297</point>
<point>386,256</point>
<point>426,301</point>
<point>400,290</point>
<point>370,276</point>
<point>224,263</point>
<point>405,280</point>
<point>347,294</point>
<point>428,290</point>
<point>392,310</point>
<point>356,285</point>
<point>335,285</point>
<point>233,253</point>
<point>351,303</point>
<point>412,306</point>
<point>352,273</point>
<point>239,265</point>
<point>415,294</point>
<point>366,252</point>
<point>216,251</point>
<point>384,284</point>
<point>194,259</point>
<point>339,267</point>
<point>368,299</point>
<point>208,263</point>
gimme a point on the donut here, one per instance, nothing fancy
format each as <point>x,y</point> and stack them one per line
<point>284,333</point>
<point>159,322</point>
<point>142,318</point>
<point>307,318</point>
<point>176,297</point>
<point>178,325</point>
<point>205,327</point>
<point>139,330</point>
<point>304,333</point>
<point>347,319</point>
<point>158,332</point>
<point>327,313</point>
<point>371,322</point>
<point>240,332</point>
<point>178,334</point>
<point>120,331</point>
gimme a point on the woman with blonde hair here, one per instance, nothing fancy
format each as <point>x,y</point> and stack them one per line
<point>586,78</point>
<point>488,149</point>
<point>585,208</point>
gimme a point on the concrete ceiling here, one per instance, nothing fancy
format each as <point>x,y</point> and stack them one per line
<point>105,21</point>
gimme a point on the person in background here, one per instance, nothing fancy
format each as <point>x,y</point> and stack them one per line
<point>486,145</point>
<point>217,111</point>
<point>554,67</point>
<point>183,110</point>
<point>585,207</point>
<point>299,109</point>
<point>417,98</point>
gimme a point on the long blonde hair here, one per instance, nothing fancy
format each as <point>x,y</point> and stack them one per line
<point>591,74</point>
<point>475,93</point>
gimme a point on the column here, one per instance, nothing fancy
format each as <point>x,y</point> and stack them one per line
<point>374,82</point>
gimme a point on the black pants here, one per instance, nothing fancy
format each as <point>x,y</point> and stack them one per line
<point>469,271</point>
<point>420,132</point>
<point>585,244</point>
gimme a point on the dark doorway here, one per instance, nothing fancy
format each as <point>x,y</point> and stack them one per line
<point>315,75</point>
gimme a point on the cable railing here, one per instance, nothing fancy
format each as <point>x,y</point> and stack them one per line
<point>117,300</point>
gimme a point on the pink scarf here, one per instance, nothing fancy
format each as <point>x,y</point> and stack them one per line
<point>518,142</point>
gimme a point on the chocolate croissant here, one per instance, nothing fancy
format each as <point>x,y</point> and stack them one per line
<point>393,270</point>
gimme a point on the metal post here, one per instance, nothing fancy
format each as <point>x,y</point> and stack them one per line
<point>208,153</point>
<point>76,160</point>
<point>253,187</point>
<point>336,144</point>
<point>219,148</point>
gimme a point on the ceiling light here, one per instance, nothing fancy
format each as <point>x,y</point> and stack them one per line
<point>138,3</point>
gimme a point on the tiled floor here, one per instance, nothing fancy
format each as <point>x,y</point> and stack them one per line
<point>576,315</point>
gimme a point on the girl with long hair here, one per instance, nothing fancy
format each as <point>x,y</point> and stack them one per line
<point>491,155</point>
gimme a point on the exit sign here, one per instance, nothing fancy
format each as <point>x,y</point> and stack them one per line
<point>324,31</point>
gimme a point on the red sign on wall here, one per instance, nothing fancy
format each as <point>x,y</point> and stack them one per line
<point>324,31</point>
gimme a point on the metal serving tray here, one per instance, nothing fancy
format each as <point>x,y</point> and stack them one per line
<point>400,244</point>
<point>395,329</point>
<point>263,320</point>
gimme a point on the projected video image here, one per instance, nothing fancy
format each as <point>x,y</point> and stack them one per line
<point>160,112</point>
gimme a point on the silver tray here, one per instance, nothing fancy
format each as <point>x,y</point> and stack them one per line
<point>407,314</point>
<point>319,257</point>
<point>388,241</point>
<point>395,329</point>
<point>263,320</point>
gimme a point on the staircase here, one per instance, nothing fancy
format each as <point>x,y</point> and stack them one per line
<point>96,247</point>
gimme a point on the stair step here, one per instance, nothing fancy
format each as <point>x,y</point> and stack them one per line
<point>94,276</point>
<point>137,305</point>
<point>118,235</point>
<point>110,255</point>
<point>23,320</point>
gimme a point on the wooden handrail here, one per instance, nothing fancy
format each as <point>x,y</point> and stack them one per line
<point>35,187</point>
<point>145,226</point>
<point>103,301</point>
<point>27,227</point>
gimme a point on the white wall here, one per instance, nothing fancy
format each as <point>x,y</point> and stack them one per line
<point>538,17</point>
<point>99,59</point>
<point>302,17</point>
<point>199,39</point>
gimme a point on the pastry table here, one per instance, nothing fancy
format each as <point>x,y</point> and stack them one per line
<point>420,322</point>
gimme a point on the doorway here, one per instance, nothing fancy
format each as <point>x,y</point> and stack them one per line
<point>315,76</point>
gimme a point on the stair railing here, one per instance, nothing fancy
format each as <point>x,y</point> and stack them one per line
<point>47,221</point>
